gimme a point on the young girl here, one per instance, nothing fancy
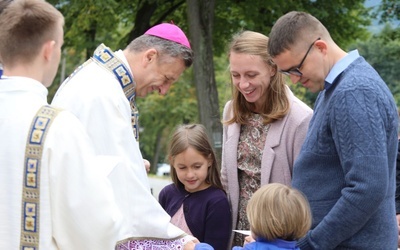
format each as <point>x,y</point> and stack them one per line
<point>278,216</point>
<point>196,200</point>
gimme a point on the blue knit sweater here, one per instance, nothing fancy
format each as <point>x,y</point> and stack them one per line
<point>346,166</point>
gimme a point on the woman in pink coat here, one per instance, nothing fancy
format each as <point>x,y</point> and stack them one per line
<point>264,126</point>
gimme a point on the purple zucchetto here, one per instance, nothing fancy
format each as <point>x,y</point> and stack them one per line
<point>169,32</point>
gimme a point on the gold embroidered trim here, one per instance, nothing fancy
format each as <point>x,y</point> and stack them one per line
<point>31,181</point>
<point>104,57</point>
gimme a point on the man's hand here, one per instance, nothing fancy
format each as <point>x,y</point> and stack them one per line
<point>146,165</point>
<point>190,245</point>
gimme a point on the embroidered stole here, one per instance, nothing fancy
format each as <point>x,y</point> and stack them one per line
<point>107,59</point>
<point>31,181</point>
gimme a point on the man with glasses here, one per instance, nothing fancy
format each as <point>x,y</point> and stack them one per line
<point>296,70</point>
<point>346,166</point>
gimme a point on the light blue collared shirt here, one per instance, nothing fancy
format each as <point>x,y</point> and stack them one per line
<point>339,67</point>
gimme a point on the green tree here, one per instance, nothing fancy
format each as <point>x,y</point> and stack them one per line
<point>159,115</point>
<point>389,10</point>
<point>345,19</point>
<point>382,52</point>
<point>201,22</point>
<point>86,22</point>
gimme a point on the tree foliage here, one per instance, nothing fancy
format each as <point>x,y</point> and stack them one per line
<point>159,115</point>
<point>389,10</point>
<point>382,51</point>
<point>88,22</point>
<point>345,19</point>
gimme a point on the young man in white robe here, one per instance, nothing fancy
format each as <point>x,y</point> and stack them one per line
<point>56,191</point>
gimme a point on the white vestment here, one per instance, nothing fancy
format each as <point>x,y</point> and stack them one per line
<point>95,96</point>
<point>86,201</point>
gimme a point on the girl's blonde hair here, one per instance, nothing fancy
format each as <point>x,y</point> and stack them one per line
<point>277,211</point>
<point>194,136</point>
<point>276,103</point>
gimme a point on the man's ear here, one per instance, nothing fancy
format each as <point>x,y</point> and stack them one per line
<point>48,49</point>
<point>149,56</point>
<point>321,45</point>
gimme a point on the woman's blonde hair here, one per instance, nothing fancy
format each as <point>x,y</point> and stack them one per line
<point>276,103</point>
<point>194,136</point>
<point>277,211</point>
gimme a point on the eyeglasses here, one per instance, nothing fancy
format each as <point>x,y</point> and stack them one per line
<point>296,70</point>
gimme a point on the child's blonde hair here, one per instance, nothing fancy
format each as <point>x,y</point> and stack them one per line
<point>276,211</point>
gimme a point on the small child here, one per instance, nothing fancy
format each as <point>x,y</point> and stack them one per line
<point>278,217</point>
<point>196,200</point>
